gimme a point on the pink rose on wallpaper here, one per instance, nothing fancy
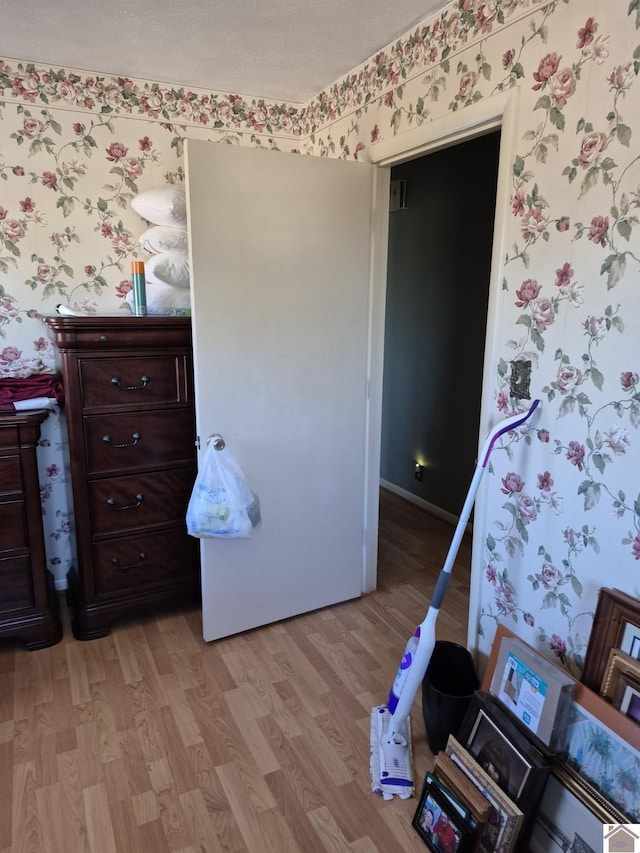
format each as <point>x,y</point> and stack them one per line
<point>569,378</point>
<point>40,345</point>
<point>527,292</point>
<point>618,440</point>
<point>533,222</point>
<point>598,230</point>
<point>359,147</point>
<point>586,33</point>
<point>502,402</point>
<point>526,509</point>
<point>547,68</point>
<point>111,95</point>
<point>573,539</point>
<point>18,171</point>
<point>123,288</point>
<point>543,436</point>
<point>375,133</point>
<point>622,77</point>
<point>8,309</point>
<point>558,646</point>
<point>575,454</point>
<point>52,470</point>
<point>12,230</point>
<point>46,273</point>
<point>563,224</point>
<point>467,84</point>
<point>132,167</point>
<point>517,203</point>
<point>528,618</point>
<point>507,58</point>
<point>595,327</point>
<point>593,144</point>
<point>9,355</point>
<point>78,128</point>
<point>511,484</point>
<point>27,205</point>
<point>550,577</point>
<point>50,180</point>
<point>545,482</point>
<point>562,86</point>
<point>543,314</point>
<point>491,573</point>
<point>629,380</point>
<point>116,151</point>
<point>144,144</point>
<point>89,270</point>
<point>32,128</point>
<point>635,547</point>
<point>505,597</point>
<point>564,276</point>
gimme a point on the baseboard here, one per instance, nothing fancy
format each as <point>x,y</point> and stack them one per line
<point>426,505</point>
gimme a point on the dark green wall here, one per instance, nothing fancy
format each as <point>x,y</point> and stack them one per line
<point>437,293</point>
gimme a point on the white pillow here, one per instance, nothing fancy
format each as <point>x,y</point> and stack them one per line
<point>162,298</point>
<point>168,268</point>
<point>162,206</point>
<point>164,238</point>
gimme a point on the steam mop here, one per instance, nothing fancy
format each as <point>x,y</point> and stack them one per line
<point>391,757</point>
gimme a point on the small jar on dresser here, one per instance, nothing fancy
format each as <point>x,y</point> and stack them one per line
<point>28,600</point>
<point>130,417</point>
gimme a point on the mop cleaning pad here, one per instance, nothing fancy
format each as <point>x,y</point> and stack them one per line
<point>391,763</point>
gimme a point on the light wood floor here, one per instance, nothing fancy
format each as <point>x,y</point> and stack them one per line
<point>150,740</point>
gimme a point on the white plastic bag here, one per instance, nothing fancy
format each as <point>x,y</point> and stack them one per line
<point>222,502</point>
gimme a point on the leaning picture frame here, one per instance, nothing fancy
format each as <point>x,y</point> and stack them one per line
<point>504,751</point>
<point>500,832</point>
<point>620,665</point>
<point>570,816</point>
<point>616,625</point>
<point>439,823</point>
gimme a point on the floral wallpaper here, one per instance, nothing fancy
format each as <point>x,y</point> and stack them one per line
<point>563,505</point>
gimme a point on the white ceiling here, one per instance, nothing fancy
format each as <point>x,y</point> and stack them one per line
<point>281,50</point>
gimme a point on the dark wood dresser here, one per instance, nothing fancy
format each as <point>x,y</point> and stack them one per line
<point>28,600</point>
<point>130,415</point>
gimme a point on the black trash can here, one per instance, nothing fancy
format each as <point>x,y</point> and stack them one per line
<point>447,688</point>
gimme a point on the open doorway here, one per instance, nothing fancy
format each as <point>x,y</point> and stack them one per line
<point>438,282</point>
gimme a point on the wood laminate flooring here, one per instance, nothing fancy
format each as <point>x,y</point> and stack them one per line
<point>150,740</point>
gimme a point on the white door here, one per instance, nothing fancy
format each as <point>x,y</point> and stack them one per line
<point>284,309</point>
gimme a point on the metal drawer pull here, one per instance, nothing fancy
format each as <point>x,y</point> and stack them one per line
<point>116,562</point>
<point>144,379</point>
<point>112,502</point>
<point>135,436</point>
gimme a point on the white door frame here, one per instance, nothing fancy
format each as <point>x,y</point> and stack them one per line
<point>498,112</point>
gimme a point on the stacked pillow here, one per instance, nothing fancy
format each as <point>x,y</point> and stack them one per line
<point>167,272</point>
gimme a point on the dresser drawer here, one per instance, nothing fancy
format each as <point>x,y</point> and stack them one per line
<point>16,583</point>
<point>121,504</point>
<point>155,559</point>
<point>13,528</point>
<point>10,474</point>
<point>134,440</point>
<point>136,381</point>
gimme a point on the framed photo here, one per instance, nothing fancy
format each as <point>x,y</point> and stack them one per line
<point>602,748</point>
<point>619,666</point>
<point>627,700</point>
<point>570,816</point>
<point>439,823</point>
<point>616,625</point>
<point>501,830</point>
<point>503,751</point>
